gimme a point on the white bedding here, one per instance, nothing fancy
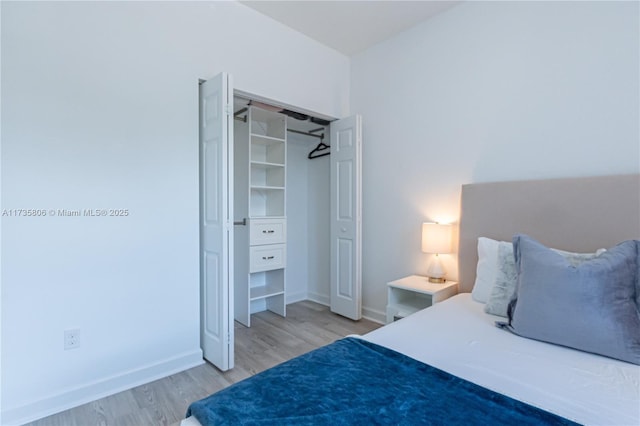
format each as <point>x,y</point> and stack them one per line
<point>458,337</point>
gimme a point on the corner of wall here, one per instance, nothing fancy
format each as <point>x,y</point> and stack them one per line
<point>322,299</point>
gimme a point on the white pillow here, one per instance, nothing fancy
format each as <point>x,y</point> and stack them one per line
<point>487,269</point>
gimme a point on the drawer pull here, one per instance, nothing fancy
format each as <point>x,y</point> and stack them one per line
<point>267,257</point>
<point>268,231</point>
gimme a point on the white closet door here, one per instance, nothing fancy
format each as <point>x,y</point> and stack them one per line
<point>346,217</point>
<point>216,216</point>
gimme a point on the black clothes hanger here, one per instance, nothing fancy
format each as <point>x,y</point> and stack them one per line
<point>319,151</point>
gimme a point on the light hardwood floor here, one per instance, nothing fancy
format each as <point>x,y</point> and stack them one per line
<point>270,341</point>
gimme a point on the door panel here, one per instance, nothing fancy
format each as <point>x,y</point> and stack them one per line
<point>345,269</point>
<point>345,191</point>
<point>216,213</point>
<point>213,327</point>
<point>346,218</point>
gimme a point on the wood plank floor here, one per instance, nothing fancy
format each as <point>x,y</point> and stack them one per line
<point>270,341</point>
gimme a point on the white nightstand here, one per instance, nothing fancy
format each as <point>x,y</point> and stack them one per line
<point>413,293</point>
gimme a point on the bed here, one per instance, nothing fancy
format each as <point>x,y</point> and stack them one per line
<point>450,363</point>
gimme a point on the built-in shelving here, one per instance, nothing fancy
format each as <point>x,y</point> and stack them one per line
<point>264,287</point>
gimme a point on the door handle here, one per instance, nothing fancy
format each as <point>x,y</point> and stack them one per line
<point>242,222</point>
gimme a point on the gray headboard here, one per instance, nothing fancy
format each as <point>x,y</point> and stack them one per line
<point>576,214</point>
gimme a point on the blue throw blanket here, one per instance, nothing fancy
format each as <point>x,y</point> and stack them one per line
<point>354,382</point>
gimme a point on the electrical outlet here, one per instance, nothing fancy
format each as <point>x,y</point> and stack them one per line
<point>71,339</point>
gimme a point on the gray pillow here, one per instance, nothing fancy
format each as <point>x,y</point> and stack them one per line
<point>590,307</point>
<point>504,287</point>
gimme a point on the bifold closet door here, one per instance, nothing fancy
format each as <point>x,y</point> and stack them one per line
<point>216,221</point>
<point>346,217</point>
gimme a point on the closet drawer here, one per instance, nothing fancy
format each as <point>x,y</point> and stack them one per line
<point>266,258</point>
<point>267,231</point>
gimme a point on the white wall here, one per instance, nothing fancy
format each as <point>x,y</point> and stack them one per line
<point>319,227</point>
<point>297,203</point>
<point>100,106</point>
<point>488,91</point>
<point>308,243</point>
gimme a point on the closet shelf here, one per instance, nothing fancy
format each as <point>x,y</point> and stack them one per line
<point>265,140</point>
<point>266,164</point>
<point>268,123</point>
<point>265,291</point>
<point>267,188</point>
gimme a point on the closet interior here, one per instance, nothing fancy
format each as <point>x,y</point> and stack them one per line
<point>281,208</point>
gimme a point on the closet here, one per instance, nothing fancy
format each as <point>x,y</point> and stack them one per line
<point>280,220</point>
<point>281,209</point>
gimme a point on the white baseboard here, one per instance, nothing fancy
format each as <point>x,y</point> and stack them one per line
<point>374,315</point>
<point>367,313</point>
<point>296,297</point>
<point>319,298</point>
<point>88,392</point>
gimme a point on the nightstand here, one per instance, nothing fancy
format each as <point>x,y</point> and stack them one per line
<point>413,293</point>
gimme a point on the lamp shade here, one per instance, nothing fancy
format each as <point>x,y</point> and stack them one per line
<point>436,238</point>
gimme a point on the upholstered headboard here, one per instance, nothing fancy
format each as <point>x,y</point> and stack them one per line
<point>576,214</point>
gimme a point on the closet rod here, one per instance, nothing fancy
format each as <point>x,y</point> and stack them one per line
<point>305,133</point>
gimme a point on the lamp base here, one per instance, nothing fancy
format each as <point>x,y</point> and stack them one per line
<point>436,272</point>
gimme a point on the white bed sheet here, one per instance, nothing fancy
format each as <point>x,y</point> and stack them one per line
<point>457,336</point>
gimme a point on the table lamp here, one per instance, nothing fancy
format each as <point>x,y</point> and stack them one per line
<point>436,239</point>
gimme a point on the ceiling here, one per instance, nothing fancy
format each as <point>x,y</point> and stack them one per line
<point>350,26</point>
